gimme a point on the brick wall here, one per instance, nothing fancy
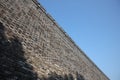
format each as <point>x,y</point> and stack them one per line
<point>34,47</point>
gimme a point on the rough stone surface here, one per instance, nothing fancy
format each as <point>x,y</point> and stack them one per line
<point>34,47</point>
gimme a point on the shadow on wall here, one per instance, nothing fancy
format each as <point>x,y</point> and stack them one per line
<point>13,65</point>
<point>54,76</point>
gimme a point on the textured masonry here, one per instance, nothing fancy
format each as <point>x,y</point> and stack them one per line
<point>34,47</point>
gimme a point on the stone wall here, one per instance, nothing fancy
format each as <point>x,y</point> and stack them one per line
<point>34,47</point>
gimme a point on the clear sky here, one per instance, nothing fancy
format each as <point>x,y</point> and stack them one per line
<point>94,25</point>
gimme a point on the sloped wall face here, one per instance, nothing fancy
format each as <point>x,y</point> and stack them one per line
<point>33,47</point>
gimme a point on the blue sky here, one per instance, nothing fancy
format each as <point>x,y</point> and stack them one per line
<point>94,25</point>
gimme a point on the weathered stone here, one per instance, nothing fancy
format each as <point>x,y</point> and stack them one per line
<point>34,47</point>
